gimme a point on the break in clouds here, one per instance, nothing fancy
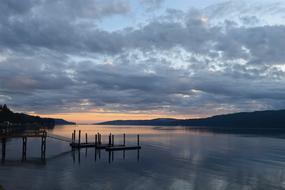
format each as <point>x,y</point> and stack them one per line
<point>66,56</point>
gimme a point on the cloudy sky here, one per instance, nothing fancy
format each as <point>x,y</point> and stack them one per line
<point>96,60</point>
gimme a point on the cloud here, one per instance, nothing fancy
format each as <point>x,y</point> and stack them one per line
<point>55,58</point>
<point>152,4</point>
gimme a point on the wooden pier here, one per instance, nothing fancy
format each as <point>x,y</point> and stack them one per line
<point>73,142</point>
<point>24,136</point>
<point>97,143</point>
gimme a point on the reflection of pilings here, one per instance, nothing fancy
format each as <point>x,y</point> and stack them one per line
<point>24,149</point>
<point>79,156</point>
<point>73,156</point>
<point>3,149</point>
<point>113,153</point>
<point>138,155</point>
<point>97,154</point>
<point>109,157</point>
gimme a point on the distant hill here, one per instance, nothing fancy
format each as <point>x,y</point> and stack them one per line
<point>63,122</point>
<point>258,119</point>
<point>21,119</point>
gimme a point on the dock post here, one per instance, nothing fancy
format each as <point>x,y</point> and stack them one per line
<point>74,133</point>
<point>43,147</point>
<point>79,138</point>
<point>3,149</point>
<point>96,140</point>
<point>24,150</point>
<point>100,140</point>
<point>86,140</point>
<point>113,139</point>
<point>72,138</point>
<point>124,139</point>
<point>110,139</point>
<point>138,140</point>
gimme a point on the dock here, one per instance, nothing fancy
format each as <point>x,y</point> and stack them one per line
<point>110,146</point>
<point>75,143</point>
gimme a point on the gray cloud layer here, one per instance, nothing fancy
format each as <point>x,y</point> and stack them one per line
<point>55,58</point>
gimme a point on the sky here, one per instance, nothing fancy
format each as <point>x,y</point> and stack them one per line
<point>98,60</point>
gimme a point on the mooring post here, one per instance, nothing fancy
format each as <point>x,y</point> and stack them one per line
<point>124,139</point>
<point>113,139</point>
<point>110,139</point>
<point>138,140</point>
<point>96,140</point>
<point>100,140</point>
<point>79,138</point>
<point>24,150</point>
<point>98,136</point>
<point>43,147</point>
<point>86,140</point>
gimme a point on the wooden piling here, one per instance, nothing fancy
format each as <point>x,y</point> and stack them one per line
<point>124,139</point>
<point>96,140</point>
<point>24,150</point>
<point>100,140</point>
<point>110,140</point>
<point>79,137</point>
<point>113,139</point>
<point>43,146</point>
<point>86,138</point>
<point>138,139</point>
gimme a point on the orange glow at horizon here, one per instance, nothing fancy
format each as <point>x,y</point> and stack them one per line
<point>100,117</point>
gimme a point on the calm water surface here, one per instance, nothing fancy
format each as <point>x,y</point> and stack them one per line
<point>170,158</point>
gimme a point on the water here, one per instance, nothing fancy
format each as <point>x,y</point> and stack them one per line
<point>170,158</point>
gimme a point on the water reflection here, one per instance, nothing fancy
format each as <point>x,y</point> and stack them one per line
<point>169,159</point>
<point>109,156</point>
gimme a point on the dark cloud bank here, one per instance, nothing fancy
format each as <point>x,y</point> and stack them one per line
<point>54,57</point>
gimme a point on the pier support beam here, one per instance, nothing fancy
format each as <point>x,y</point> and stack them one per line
<point>79,137</point>
<point>138,139</point>
<point>113,140</point>
<point>24,149</point>
<point>43,146</point>
<point>124,139</point>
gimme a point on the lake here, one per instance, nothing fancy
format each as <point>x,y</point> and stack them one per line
<point>170,158</point>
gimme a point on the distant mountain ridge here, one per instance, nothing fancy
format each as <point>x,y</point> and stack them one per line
<point>257,119</point>
<point>21,119</point>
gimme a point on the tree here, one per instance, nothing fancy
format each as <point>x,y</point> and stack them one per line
<point>5,107</point>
